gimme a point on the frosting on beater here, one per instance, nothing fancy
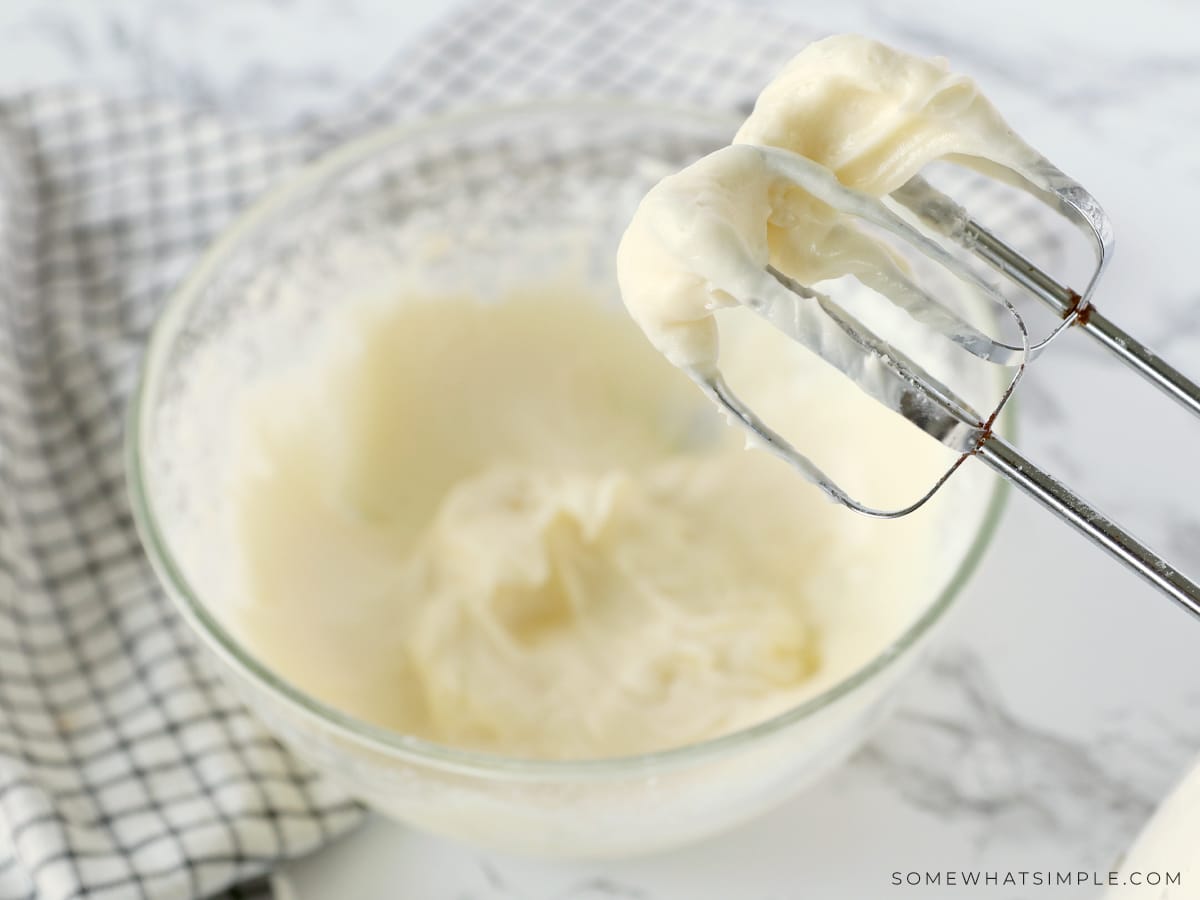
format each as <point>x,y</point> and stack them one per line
<point>702,239</point>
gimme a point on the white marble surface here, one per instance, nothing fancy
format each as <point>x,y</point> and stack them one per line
<point>1065,696</point>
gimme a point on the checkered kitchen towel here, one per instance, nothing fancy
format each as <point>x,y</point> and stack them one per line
<point>125,769</point>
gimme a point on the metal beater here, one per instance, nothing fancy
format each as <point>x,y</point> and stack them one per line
<point>815,320</point>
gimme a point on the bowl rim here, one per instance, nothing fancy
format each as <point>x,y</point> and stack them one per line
<point>391,743</point>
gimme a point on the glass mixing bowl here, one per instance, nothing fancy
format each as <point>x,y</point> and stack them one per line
<point>468,201</point>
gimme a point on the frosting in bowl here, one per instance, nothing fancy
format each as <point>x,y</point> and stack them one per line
<point>512,526</point>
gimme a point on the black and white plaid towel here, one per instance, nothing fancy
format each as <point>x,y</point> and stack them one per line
<point>125,769</point>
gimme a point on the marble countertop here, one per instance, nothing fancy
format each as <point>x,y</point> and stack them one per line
<point>1065,692</point>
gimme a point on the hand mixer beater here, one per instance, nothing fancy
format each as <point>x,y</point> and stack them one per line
<point>926,221</point>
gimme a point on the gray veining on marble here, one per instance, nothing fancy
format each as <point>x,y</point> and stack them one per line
<point>1064,698</point>
<point>1011,781</point>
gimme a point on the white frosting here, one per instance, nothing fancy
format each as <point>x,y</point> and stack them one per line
<point>513,526</point>
<point>873,116</point>
<point>876,116</point>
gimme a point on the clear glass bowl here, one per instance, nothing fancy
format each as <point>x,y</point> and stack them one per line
<point>519,189</point>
